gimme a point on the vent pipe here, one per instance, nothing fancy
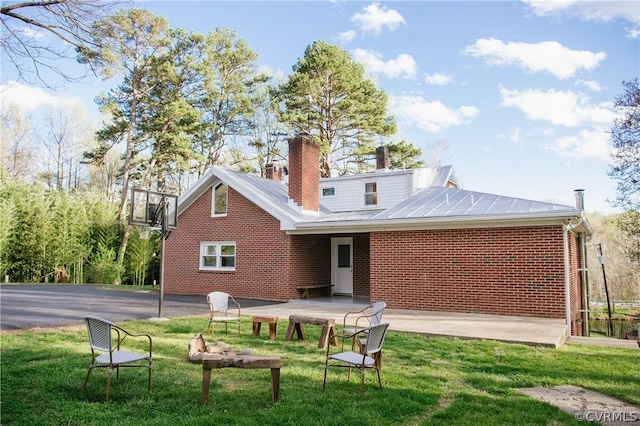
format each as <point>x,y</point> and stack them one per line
<point>579,198</point>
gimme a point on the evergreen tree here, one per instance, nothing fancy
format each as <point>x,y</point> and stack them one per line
<point>328,97</point>
<point>227,74</point>
<point>131,42</point>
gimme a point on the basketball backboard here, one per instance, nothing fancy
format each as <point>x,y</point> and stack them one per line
<point>147,206</point>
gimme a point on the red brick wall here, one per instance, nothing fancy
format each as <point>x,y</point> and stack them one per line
<point>360,264</point>
<point>503,271</point>
<point>262,251</point>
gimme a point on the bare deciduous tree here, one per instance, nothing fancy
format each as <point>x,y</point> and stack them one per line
<point>67,133</point>
<point>38,33</point>
<point>16,149</point>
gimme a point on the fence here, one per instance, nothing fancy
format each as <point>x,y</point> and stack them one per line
<point>620,327</point>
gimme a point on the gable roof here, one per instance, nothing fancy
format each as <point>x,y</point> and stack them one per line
<point>430,208</point>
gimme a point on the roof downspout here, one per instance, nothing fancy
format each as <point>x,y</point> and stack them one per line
<point>567,281</point>
<point>567,269</point>
<point>584,312</point>
<point>585,286</point>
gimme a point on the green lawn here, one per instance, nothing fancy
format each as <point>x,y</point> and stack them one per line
<point>426,381</point>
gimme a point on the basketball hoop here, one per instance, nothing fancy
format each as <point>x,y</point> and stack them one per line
<point>143,232</point>
<point>154,211</point>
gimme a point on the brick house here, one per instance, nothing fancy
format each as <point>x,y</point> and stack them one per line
<point>408,237</point>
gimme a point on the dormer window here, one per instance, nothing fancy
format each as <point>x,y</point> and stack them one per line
<point>370,194</point>
<point>219,202</point>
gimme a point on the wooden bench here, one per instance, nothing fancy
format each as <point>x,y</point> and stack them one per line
<point>273,325</point>
<point>328,329</point>
<point>210,362</point>
<point>304,289</point>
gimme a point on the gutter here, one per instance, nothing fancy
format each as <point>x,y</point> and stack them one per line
<point>448,222</point>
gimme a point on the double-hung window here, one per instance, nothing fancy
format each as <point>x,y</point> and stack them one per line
<point>217,256</point>
<point>370,194</point>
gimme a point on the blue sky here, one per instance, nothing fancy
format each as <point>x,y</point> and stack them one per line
<point>518,93</point>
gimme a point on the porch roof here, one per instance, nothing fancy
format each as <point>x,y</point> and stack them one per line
<point>433,206</point>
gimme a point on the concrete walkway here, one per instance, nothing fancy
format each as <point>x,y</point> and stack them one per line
<point>603,341</point>
<point>512,329</point>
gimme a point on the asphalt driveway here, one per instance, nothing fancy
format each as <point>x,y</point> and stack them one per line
<point>52,305</point>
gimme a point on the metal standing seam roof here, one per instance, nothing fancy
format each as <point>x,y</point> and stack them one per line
<point>447,202</point>
<point>429,204</point>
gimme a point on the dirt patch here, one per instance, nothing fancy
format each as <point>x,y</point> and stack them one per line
<point>586,405</point>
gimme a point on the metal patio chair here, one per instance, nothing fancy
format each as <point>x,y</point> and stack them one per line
<point>364,318</point>
<point>223,308</point>
<point>369,357</point>
<point>106,351</point>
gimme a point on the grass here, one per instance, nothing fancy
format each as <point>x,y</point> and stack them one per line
<point>426,381</point>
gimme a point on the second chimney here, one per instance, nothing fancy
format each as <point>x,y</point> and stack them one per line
<point>382,158</point>
<point>274,172</point>
<point>304,173</point>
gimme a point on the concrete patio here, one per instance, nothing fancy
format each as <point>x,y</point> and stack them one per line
<point>512,329</point>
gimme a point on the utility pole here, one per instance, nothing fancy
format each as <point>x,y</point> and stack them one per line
<point>606,288</point>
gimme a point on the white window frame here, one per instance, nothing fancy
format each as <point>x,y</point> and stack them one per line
<point>374,194</point>
<point>218,255</point>
<point>213,201</point>
<point>329,195</point>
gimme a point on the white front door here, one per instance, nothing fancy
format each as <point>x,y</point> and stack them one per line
<point>342,265</point>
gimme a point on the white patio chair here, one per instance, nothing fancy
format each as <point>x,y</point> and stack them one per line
<point>369,358</point>
<point>364,318</point>
<point>101,339</point>
<point>223,308</point>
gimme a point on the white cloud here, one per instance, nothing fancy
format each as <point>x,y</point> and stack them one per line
<point>30,98</point>
<point>557,107</point>
<point>403,66</point>
<point>430,116</point>
<point>33,34</point>
<point>549,56</point>
<point>587,144</point>
<point>375,17</point>
<point>594,86</point>
<point>597,11</point>
<point>514,135</point>
<point>438,79</point>
<point>346,36</point>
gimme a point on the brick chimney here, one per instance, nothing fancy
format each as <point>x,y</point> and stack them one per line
<point>304,173</point>
<point>382,158</point>
<point>274,172</point>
